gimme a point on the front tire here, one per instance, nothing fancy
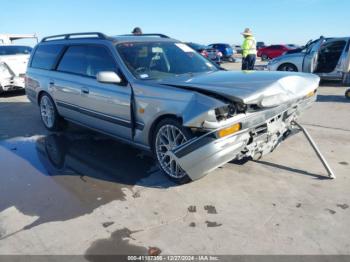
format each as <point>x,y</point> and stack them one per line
<point>168,135</point>
<point>49,115</point>
<point>288,68</point>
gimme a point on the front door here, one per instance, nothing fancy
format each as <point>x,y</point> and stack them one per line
<point>102,106</point>
<point>311,56</point>
<point>346,63</point>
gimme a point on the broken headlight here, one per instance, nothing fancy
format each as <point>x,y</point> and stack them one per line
<point>225,112</point>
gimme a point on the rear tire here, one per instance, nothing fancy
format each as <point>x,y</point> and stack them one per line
<point>169,134</point>
<point>288,68</point>
<point>49,115</point>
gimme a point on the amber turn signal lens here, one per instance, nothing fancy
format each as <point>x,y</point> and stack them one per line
<point>311,93</point>
<point>229,130</point>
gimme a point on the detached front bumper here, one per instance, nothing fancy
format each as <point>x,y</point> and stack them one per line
<point>260,133</point>
<point>12,83</point>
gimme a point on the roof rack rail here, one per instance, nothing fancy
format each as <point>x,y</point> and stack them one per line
<point>73,36</point>
<point>159,35</point>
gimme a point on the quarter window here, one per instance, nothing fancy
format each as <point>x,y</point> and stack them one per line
<point>86,60</point>
<point>45,56</point>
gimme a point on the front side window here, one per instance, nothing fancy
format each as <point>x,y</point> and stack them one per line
<point>45,56</point>
<point>86,60</point>
<point>158,60</point>
<point>15,50</point>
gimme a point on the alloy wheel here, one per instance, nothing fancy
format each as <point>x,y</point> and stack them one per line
<point>47,111</point>
<point>168,138</point>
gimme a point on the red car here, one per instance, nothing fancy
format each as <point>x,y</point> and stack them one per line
<point>272,51</point>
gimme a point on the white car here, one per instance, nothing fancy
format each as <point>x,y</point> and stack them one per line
<point>329,58</point>
<point>13,65</point>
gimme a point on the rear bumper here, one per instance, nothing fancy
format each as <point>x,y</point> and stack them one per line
<point>260,134</point>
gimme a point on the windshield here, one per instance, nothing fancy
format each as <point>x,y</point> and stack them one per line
<point>15,50</point>
<point>159,60</point>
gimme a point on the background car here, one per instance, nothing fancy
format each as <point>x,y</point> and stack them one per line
<point>13,64</point>
<point>207,52</point>
<point>327,57</point>
<point>226,50</point>
<point>272,51</point>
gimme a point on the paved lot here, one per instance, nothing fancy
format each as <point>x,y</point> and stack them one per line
<point>83,193</point>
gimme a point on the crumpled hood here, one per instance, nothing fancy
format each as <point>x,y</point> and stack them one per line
<point>251,87</point>
<point>17,63</point>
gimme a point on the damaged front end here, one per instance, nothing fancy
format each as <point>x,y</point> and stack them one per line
<point>8,79</point>
<point>236,130</point>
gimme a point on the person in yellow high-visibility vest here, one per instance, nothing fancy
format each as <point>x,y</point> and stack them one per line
<point>248,50</point>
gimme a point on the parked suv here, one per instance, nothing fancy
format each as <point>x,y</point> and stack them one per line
<point>158,94</point>
<point>226,50</point>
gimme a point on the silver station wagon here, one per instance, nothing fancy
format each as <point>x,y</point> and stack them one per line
<point>160,95</point>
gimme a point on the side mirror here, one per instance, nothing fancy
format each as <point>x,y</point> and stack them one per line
<point>108,77</point>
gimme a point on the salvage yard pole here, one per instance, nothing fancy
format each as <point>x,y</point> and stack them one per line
<point>318,152</point>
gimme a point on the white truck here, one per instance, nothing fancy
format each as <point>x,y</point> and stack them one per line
<point>13,61</point>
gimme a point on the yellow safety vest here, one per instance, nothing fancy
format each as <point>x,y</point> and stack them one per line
<point>249,46</point>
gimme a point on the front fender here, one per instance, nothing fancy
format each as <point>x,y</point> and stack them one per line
<point>199,109</point>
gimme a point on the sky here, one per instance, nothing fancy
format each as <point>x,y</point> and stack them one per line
<point>201,21</point>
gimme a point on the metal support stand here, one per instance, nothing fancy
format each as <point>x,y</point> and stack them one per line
<point>317,151</point>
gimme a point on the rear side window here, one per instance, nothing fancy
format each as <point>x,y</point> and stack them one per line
<point>45,56</point>
<point>86,60</point>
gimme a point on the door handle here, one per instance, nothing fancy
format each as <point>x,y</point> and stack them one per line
<point>85,90</point>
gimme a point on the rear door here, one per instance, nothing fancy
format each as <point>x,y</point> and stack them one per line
<point>101,106</point>
<point>311,56</point>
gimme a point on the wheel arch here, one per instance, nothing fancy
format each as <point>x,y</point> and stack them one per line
<point>155,124</point>
<point>40,94</point>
